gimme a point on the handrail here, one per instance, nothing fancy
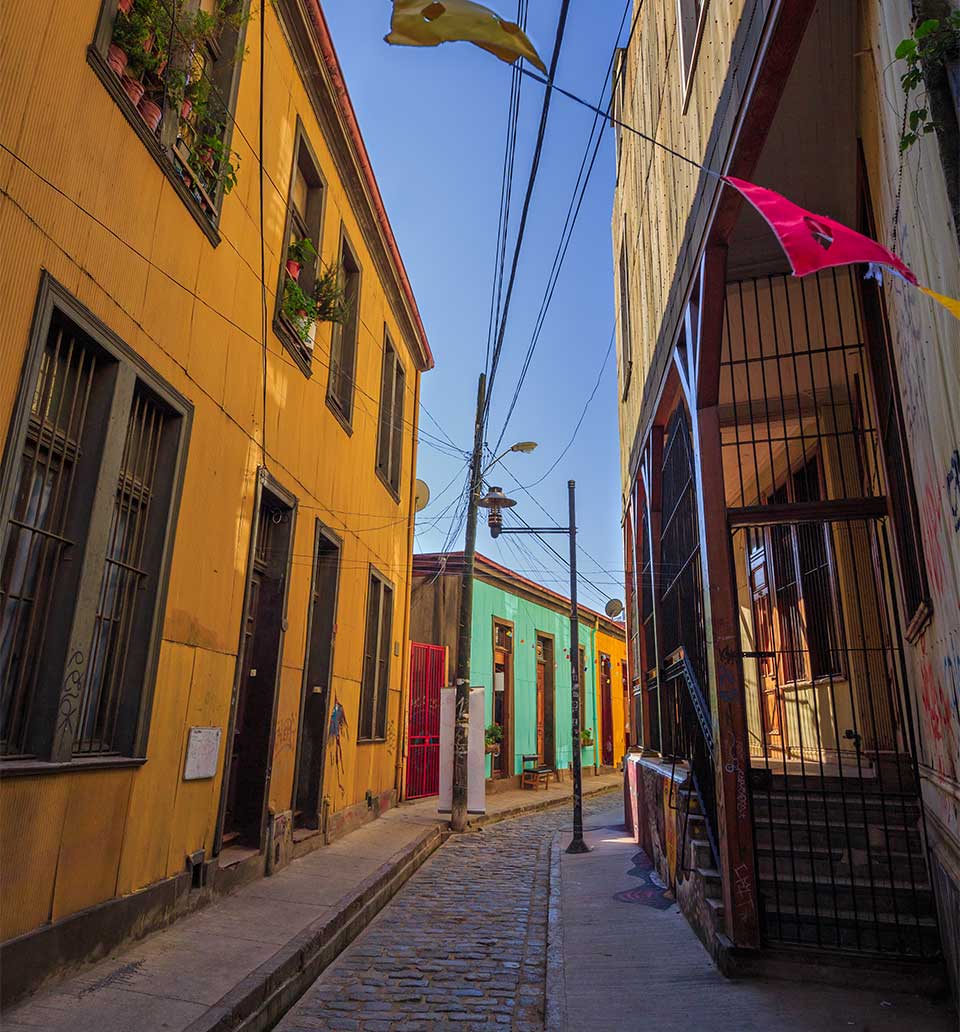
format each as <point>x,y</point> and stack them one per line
<point>679,660</point>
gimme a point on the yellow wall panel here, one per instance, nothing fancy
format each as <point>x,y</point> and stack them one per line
<point>32,812</point>
<point>93,830</point>
<point>153,793</point>
<point>195,809</point>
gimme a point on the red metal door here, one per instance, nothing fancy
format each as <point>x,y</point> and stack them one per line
<point>427,672</point>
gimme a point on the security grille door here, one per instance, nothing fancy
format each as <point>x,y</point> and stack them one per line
<point>835,809</point>
<point>427,671</point>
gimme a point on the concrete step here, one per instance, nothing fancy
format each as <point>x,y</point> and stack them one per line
<point>826,863</point>
<point>856,896</point>
<point>883,933</point>
<point>790,833</point>
<point>887,809</point>
<point>834,967</point>
<point>712,882</point>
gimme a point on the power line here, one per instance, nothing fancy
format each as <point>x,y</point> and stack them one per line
<point>573,212</point>
<point>583,414</point>
<point>531,182</point>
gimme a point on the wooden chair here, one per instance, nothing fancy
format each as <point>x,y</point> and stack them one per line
<point>533,773</point>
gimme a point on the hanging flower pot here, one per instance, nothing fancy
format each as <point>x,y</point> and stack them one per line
<point>152,113</point>
<point>125,6</point>
<point>132,87</point>
<point>293,269</point>
<point>186,107</point>
<point>116,59</point>
<point>492,749</point>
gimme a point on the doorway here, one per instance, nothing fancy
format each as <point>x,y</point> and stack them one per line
<point>258,670</point>
<point>606,711</point>
<point>428,674</point>
<point>546,697</point>
<point>502,762</point>
<point>317,675</point>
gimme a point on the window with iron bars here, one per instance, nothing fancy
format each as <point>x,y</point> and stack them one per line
<point>390,430</point>
<point>343,342</point>
<point>94,459</point>
<point>376,660</point>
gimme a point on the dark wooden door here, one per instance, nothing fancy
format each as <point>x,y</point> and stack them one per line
<point>257,677</point>
<point>606,712</point>
<point>315,702</point>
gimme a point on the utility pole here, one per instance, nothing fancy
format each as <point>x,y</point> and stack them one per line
<point>577,845</point>
<point>458,809</point>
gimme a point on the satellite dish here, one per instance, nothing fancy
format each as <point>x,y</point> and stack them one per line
<point>421,496</point>
<point>613,608</point>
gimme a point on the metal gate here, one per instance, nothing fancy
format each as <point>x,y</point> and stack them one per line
<point>837,815</point>
<point>427,673</point>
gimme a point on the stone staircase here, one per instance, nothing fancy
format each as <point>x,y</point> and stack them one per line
<point>841,866</point>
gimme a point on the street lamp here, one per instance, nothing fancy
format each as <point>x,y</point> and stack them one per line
<point>495,501</point>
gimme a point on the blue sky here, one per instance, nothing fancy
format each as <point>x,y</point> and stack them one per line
<point>434,122</point>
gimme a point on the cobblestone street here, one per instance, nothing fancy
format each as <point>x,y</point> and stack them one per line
<point>463,943</point>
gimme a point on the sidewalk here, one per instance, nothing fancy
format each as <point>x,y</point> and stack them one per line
<point>243,960</point>
<point>620,948</point>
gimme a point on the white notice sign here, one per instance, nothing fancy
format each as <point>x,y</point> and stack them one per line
<point>203,752</point>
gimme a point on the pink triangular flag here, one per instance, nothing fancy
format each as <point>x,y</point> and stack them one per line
<point>813,242</point>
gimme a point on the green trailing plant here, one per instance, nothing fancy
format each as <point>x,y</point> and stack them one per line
<point>299,309</point>
<point>493,735</point>
<point>213,161</point>
<point>586,736</point>
<point>302,251</point>
<point>330,295</point>
<point>934,43</point>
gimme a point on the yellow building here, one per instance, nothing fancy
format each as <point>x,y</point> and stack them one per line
<point>613,735</point>
<point>204,488</point>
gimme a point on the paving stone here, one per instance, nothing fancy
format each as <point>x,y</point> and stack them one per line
<point>462,945</point>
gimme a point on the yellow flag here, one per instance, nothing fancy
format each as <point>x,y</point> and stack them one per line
<point>419,23</point>
<point>952,306</point>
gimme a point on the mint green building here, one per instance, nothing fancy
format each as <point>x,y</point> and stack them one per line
<point>520,653</point>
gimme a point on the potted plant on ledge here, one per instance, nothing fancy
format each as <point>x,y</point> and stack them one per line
<point>299,253</point>
<point>299,310</point>
<point>586,738</point>
<point>493,736</point>
<point>330,296</point>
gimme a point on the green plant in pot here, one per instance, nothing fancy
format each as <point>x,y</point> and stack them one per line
<point>330,295</point>
<point>493,737</point>
<point>301,252</point>
<point>299,309</point>
<point>586,737</point>
<point>213,161</point>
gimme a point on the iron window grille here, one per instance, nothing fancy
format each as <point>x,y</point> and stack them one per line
<point>375,686</point>
<point>390,429</point>
<point>91,481</point>
<point>343,341</point>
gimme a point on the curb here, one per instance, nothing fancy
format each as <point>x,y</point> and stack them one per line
<point>555,1018</point>
<point>259,1001</point>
